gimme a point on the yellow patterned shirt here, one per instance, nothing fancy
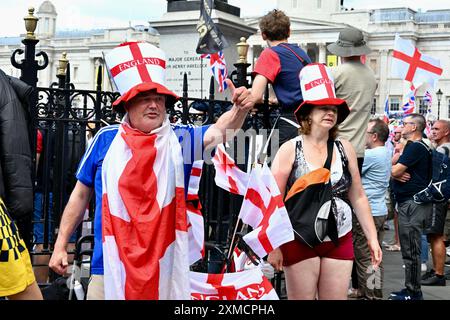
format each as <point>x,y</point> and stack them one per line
<point>16,272</point>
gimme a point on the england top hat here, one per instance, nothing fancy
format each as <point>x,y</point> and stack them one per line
<point>316,82</point>
<point>137,67</point>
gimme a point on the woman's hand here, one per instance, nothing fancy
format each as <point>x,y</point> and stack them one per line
<point>275,258</point>
<point>375,252</point>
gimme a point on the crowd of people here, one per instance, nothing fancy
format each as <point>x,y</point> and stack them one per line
<point>141,167</point>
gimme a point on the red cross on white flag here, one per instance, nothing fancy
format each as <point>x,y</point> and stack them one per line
<point>228,175</point>
<point>245,285</point>
<point>263,209</point>
<point>410,64</point>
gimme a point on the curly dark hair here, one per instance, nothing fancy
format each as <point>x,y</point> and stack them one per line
<point>275,25</point>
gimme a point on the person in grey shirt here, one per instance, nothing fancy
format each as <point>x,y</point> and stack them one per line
<point>355,83</point>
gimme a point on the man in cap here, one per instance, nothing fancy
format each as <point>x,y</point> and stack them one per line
<point>139,171</point>
<point>356,84</point>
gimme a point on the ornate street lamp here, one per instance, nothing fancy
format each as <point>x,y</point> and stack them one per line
<point>439,97</point>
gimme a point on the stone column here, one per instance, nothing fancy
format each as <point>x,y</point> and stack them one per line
<point>250,57</point>
<point>303,45</point>
<point>322,52</point>
<point>383,81</point>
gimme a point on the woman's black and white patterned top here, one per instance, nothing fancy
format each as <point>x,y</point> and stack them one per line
<point>341,181</point>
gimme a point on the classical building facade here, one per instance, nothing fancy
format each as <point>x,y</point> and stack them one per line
<point>314,24</point>
<point>85,49</point>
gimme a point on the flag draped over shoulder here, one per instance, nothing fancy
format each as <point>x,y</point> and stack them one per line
<point>246,285</point>
<point>144,220</point>
<point>410,64</point>
<point>196,228</point>
<point>211,38</point>
<point>263,209</point>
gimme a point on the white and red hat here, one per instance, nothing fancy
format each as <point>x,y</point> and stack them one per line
<point>138,67</point>
<point>316,82</point>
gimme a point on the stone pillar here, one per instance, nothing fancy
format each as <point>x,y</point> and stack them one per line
<point>303,45</point>
<point>383,81</point>
<point>322,52</point>
<point>250,57</point>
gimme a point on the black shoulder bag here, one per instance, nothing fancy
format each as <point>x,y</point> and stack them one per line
<point>309,203</point>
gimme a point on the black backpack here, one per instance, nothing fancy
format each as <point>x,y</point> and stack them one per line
<point>438,190</point>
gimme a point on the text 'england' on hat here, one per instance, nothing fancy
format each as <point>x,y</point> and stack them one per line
<point>317,84</point>
<point>138,67</point>
<point>350,43</point>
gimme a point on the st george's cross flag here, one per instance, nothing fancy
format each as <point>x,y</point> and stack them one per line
<point>263,209</point>
<point>245,285</point>
<point>196,224</point>
<point>228,175</point>
<point>143,196</point>
<point>410,64</point>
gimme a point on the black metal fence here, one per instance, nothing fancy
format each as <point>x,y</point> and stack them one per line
<point>67,117</point>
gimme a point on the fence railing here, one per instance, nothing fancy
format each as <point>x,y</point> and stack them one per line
<point>68,117</point>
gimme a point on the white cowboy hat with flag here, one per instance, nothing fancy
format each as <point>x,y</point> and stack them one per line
<point>138,67</point>
<point>317,84</point>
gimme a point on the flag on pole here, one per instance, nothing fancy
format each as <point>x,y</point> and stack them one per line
<point>218,67</point>
<point>263,209</point>
<point>410,64</point>
<point>211,39</point>
<point>428,98</point>
<point>245,285</point>
<point>386,110</point>
<point>228,175</point>
<point>410,104</point>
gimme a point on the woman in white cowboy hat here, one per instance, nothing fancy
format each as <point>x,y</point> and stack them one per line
<point>322,271</point>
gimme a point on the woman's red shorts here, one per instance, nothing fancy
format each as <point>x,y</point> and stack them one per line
<point>295,251</point>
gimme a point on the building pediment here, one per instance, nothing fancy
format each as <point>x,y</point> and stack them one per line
<point>302,24</point>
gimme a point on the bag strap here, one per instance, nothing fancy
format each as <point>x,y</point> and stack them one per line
<point>446,151</point>
<point>330,144</point>
<point>430,159</point>
<point>290,49</point>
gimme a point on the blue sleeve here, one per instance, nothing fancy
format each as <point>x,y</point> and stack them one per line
<point>368,161</point>
<point>89,163</point>
<point>191,140</point>
<point>413,153</point>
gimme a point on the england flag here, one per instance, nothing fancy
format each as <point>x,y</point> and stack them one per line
<point>263,209</point>
<point>410,64</point>
<point>143,196</point>
<point>245,285</point>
